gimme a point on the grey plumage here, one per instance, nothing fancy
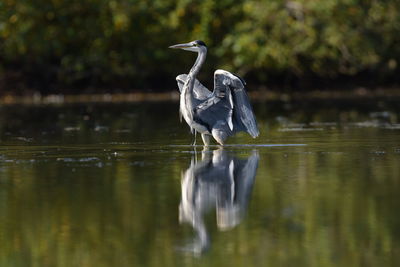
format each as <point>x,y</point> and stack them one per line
<point>200,91</point>
<point>220,113</point>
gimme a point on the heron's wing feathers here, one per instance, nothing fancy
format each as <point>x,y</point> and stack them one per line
<point>243,114</point>
<point>215,111</point>
<point>226,83</point>
<point>200,91</point>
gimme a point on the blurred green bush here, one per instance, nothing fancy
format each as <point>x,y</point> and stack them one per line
<point>67,45</point>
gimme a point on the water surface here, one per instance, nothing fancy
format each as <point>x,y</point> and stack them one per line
<point>119,185</point>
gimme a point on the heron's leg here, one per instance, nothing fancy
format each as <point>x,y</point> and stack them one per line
<point>206,139</point>
<point>194,142</point>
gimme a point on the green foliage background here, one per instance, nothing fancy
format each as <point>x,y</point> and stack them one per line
<point>122,44</point>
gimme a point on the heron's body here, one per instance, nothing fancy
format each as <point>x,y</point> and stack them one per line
<point>220,113</point>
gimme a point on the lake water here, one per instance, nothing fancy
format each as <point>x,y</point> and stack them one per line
<point>119,185</point>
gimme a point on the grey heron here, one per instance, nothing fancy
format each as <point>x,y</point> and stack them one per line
<point>220,113</point>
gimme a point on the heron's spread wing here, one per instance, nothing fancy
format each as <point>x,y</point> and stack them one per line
<point>217,110</point>
<point>226,83</point>
<point>200,91</point>
<point>228,107</point>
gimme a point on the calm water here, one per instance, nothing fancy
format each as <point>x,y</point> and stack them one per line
<point>118,185</point>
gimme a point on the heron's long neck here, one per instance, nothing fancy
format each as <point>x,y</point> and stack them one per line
<point>201,57</point>
<point>187,95</point>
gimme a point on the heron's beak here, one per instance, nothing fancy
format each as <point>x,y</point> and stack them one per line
<point>181,46</point>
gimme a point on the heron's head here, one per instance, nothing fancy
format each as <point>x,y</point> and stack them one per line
<point>194,46</point>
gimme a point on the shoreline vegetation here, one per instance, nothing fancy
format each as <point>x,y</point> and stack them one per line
<point>256,96</point>
<point>67,46</point>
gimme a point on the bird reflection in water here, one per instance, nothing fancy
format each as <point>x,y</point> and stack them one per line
<point>219,180</point>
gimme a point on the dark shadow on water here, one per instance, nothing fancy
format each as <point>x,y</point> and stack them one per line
<point>219,180</point>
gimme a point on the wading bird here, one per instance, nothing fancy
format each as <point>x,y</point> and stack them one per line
<point>220,113</point>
